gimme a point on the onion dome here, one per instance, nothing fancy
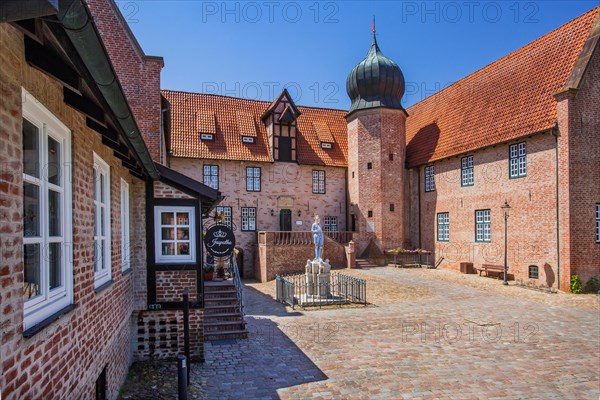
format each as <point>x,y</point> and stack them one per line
<point>376,81</point>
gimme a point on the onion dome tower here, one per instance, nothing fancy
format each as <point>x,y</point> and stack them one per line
<point>376,81</point>
<point>376,154</point>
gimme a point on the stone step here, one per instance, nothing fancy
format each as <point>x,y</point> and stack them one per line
<point>210,309</point>
<point>222,315</point>
<point>222,326</point>
<point>220,292</point>
<point>220,300</point>
<point>232,334</point>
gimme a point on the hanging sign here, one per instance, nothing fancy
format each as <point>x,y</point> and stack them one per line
<point>219,241</point>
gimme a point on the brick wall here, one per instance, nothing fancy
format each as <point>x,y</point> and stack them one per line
<point>138,74</point>
<point>579,146</point>
<point>532,220</point>
<point>64,359</point>
<point>164,191</point>
<point>170,285</point>
<point>288,180</point>
<point>159,334</point>
<point>273,260</point>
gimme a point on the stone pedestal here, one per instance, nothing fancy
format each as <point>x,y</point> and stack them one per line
<point>318,278</point>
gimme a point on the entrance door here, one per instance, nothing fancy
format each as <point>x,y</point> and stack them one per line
<point>285,220</point>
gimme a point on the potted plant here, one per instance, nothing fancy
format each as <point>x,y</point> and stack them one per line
<point>208,271</point>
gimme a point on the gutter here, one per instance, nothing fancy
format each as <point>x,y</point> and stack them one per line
<point>80,28</point>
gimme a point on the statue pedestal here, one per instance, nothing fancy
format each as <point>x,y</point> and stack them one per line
<point>318,278</point>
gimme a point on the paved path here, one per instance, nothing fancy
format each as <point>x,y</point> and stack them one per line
<point>460,342</point>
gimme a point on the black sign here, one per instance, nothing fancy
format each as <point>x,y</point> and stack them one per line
<point>219,241</point>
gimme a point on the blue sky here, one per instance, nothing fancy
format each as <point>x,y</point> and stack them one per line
<point>255,48</point>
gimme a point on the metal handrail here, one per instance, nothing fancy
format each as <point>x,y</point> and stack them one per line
<point>237,282</point>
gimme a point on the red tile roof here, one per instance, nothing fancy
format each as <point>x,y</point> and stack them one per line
<point>508,99</point>
<point>236,117</point>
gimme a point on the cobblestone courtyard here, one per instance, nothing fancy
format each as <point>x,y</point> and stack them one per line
<point>427,334</point>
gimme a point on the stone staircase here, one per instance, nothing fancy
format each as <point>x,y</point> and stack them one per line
<point>222,318</point>
<point>364,263</point>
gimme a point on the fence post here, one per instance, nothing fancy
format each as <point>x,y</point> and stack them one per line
<point>186,328</point>
<point>182,377</point>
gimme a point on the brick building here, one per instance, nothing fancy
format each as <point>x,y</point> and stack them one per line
<point>97,240</point>
<point>524,129</point>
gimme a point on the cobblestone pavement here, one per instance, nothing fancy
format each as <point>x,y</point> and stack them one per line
<point>449,341</point>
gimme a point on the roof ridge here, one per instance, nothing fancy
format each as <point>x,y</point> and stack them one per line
<point>511,54</point>
<point>246,99</point>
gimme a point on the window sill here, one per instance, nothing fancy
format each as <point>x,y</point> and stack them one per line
<point>103,286</point>
<point>127,271</point>
<point>40,326</point>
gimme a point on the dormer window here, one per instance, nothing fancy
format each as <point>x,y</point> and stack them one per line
<point>323,134</point>
<point>280,122</point>
<point>248,139</point>
<point>206,124</point>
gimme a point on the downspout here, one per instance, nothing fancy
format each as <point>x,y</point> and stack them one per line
<point>554,132</point>
<point>80,29</point>
<point>419,197</point>
<point>348,216</point>
<point>163,139</point>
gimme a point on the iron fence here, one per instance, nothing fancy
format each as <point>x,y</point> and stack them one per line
<point>340,289</point>
<point>410,259</point>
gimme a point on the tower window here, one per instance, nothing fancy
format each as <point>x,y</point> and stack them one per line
<point>391,156</point>
<point>370,213</point>
<point>392,207</point>
<point>369,165</point>
<point>353,174</point>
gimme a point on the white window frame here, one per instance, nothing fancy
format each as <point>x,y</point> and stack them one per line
<point>443,227</point>
<point>125,228</point>
<point>212,178</point>
<point>174,259</point>
<point>597,222</point>
<point>50,301</point>
<point>517,165</point>
<point>103,274</point>
<point>253,179</point>
<point>483,225</point>
<point>430,178</point>
<point>330,224</point>
<point>319,182</point>
<point>248,219</point>
<point>227,214</point>
<point>467,169</point>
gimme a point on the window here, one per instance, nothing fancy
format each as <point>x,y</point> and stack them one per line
<point>392,207</point>
<point>318,182</point>
<point>330,224</point>
<point>466,169</point>
<point>47,213</point>
<point>102,250</point>
<point>252,179</point>
<point>597,223</point>
<point>248,218</point>
<point>125,239</point>
<point>211,176</point>
<point>518,160</point>
<point>369,165</point>
<point>226,211</point>
<point>533,272</point>
<point>430,178</point>
<point>391,156</point>
<point>174,234</point>
<point>443,227</point>
<point>483,226</point>
<point>370,214</point>
<point>101,386</point>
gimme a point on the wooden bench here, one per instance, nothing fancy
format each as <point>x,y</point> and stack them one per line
<point>487,268</point>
